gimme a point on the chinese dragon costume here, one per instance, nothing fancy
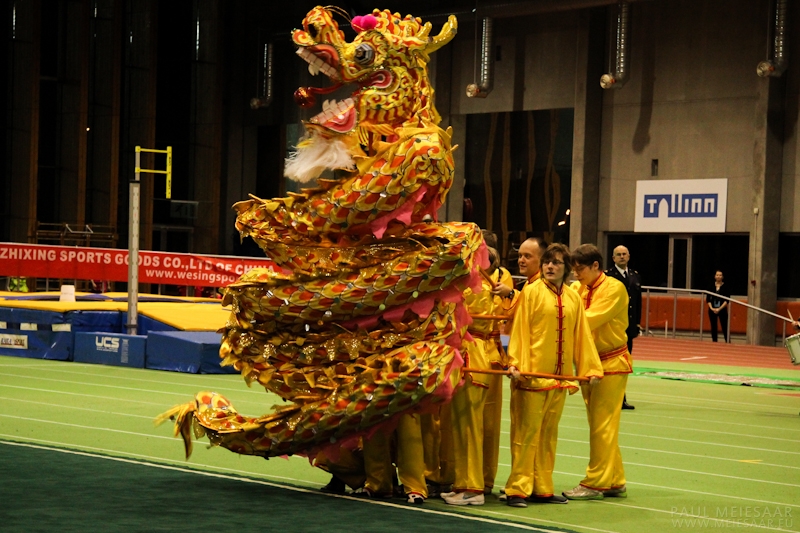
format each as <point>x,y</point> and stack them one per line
<point>363,318</point>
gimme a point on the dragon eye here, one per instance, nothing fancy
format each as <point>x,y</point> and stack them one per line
<point>364,54</point>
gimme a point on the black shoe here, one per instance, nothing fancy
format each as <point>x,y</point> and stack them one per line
<point>555,498</point>
<point>334,486</point>
<point>625,404</point>
<point>516,501</point>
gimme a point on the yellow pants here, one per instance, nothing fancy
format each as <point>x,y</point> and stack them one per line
<point>437,439</point>
<point>603,407</point>
<point>410,460</point>
<point>534,436</point>
<point>492,418</point>
<point>467,412</point>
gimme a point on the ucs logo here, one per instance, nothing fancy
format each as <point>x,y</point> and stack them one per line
<point>107,344</point>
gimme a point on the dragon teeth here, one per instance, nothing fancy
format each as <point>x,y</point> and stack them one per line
<point>331,109</point>
<point>317,65</point>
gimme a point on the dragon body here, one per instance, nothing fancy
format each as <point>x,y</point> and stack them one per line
<point>363,318</point>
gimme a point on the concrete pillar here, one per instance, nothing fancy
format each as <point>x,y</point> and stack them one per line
<point>586,134</point>
<point>243,67</point>
<point>139,79</point>
<point>764,230</point>
<point>206,125</point>
<point>102,176</point>
<point>22,129</point>
<point>74,112</point>
<point>440,71</point>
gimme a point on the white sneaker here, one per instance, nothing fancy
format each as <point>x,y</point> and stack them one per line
<point>415,498</point>
<point>583,493</point>
<point>444,495</point>
<point>465,498</point>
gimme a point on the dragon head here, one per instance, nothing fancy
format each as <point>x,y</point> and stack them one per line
<point>387,60</point>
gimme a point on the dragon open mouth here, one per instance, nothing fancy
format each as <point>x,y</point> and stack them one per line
<point>339,116</point>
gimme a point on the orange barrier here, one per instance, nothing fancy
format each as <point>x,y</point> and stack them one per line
<point>688,314</point>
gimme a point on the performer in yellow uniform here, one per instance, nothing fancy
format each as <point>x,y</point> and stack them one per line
<point>468,403</point>
<point>549,335</point>
<point>493,406</point>
<point>437,443</point>
<point>606,302</point>
<point>528,256</point>
<point>410,461</point>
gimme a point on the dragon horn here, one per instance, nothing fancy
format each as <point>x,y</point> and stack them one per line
<point>449,31</point>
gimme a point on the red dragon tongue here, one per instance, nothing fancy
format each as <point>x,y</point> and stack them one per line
<point>337,116</point>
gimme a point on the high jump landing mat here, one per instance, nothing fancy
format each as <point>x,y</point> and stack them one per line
<point>173,333</point>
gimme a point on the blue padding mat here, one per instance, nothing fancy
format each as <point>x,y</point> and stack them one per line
<point>110,349</point>
<point>47,344</point>
<point>185,351</point>
<point>108,321</point>
<point>144,324</point>
<point>18,315</point>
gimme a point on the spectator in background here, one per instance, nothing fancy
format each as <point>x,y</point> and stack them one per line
<point>718,307</point>
<point>14,284</point>
<point>98,286</point>
<point>633,283</point>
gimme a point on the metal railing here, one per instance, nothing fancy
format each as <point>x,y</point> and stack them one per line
<point>703,293</point>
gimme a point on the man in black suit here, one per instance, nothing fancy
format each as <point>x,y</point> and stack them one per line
<point>630,278</point>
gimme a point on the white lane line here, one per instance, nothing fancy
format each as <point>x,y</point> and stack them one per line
<point>61,406</point>
<point>680,489</point>
<point>563,524</point>
<point>645,465</point>
<point>693,358</point>
<point>289,487</point>
<point>112,375</point>
<point>701,399</point>
<point>700,456</point>
<point>630,423</point>
<point>161,405</point>
<point>157,458</point>
<point>748,479</point>
<point>83,395</point>
<point>117,387</point>
<point>705,443</point>
<point>640,413</point>
<point>689,517</point>
<point>80,426</point>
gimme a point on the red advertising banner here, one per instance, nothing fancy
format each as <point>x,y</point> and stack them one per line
<point>111,264</point>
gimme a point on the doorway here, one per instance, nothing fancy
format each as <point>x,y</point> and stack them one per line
<point>679,269</point>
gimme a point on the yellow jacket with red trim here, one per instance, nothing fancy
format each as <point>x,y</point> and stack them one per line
<point>606,306</point>
<point>550,335</point>
<point>484,351</point>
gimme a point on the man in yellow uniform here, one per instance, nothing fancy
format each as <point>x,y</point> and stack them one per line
<point>606,302</point>
<point>549,335</point>
<point>528,257</point>
<point>467,407</point>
